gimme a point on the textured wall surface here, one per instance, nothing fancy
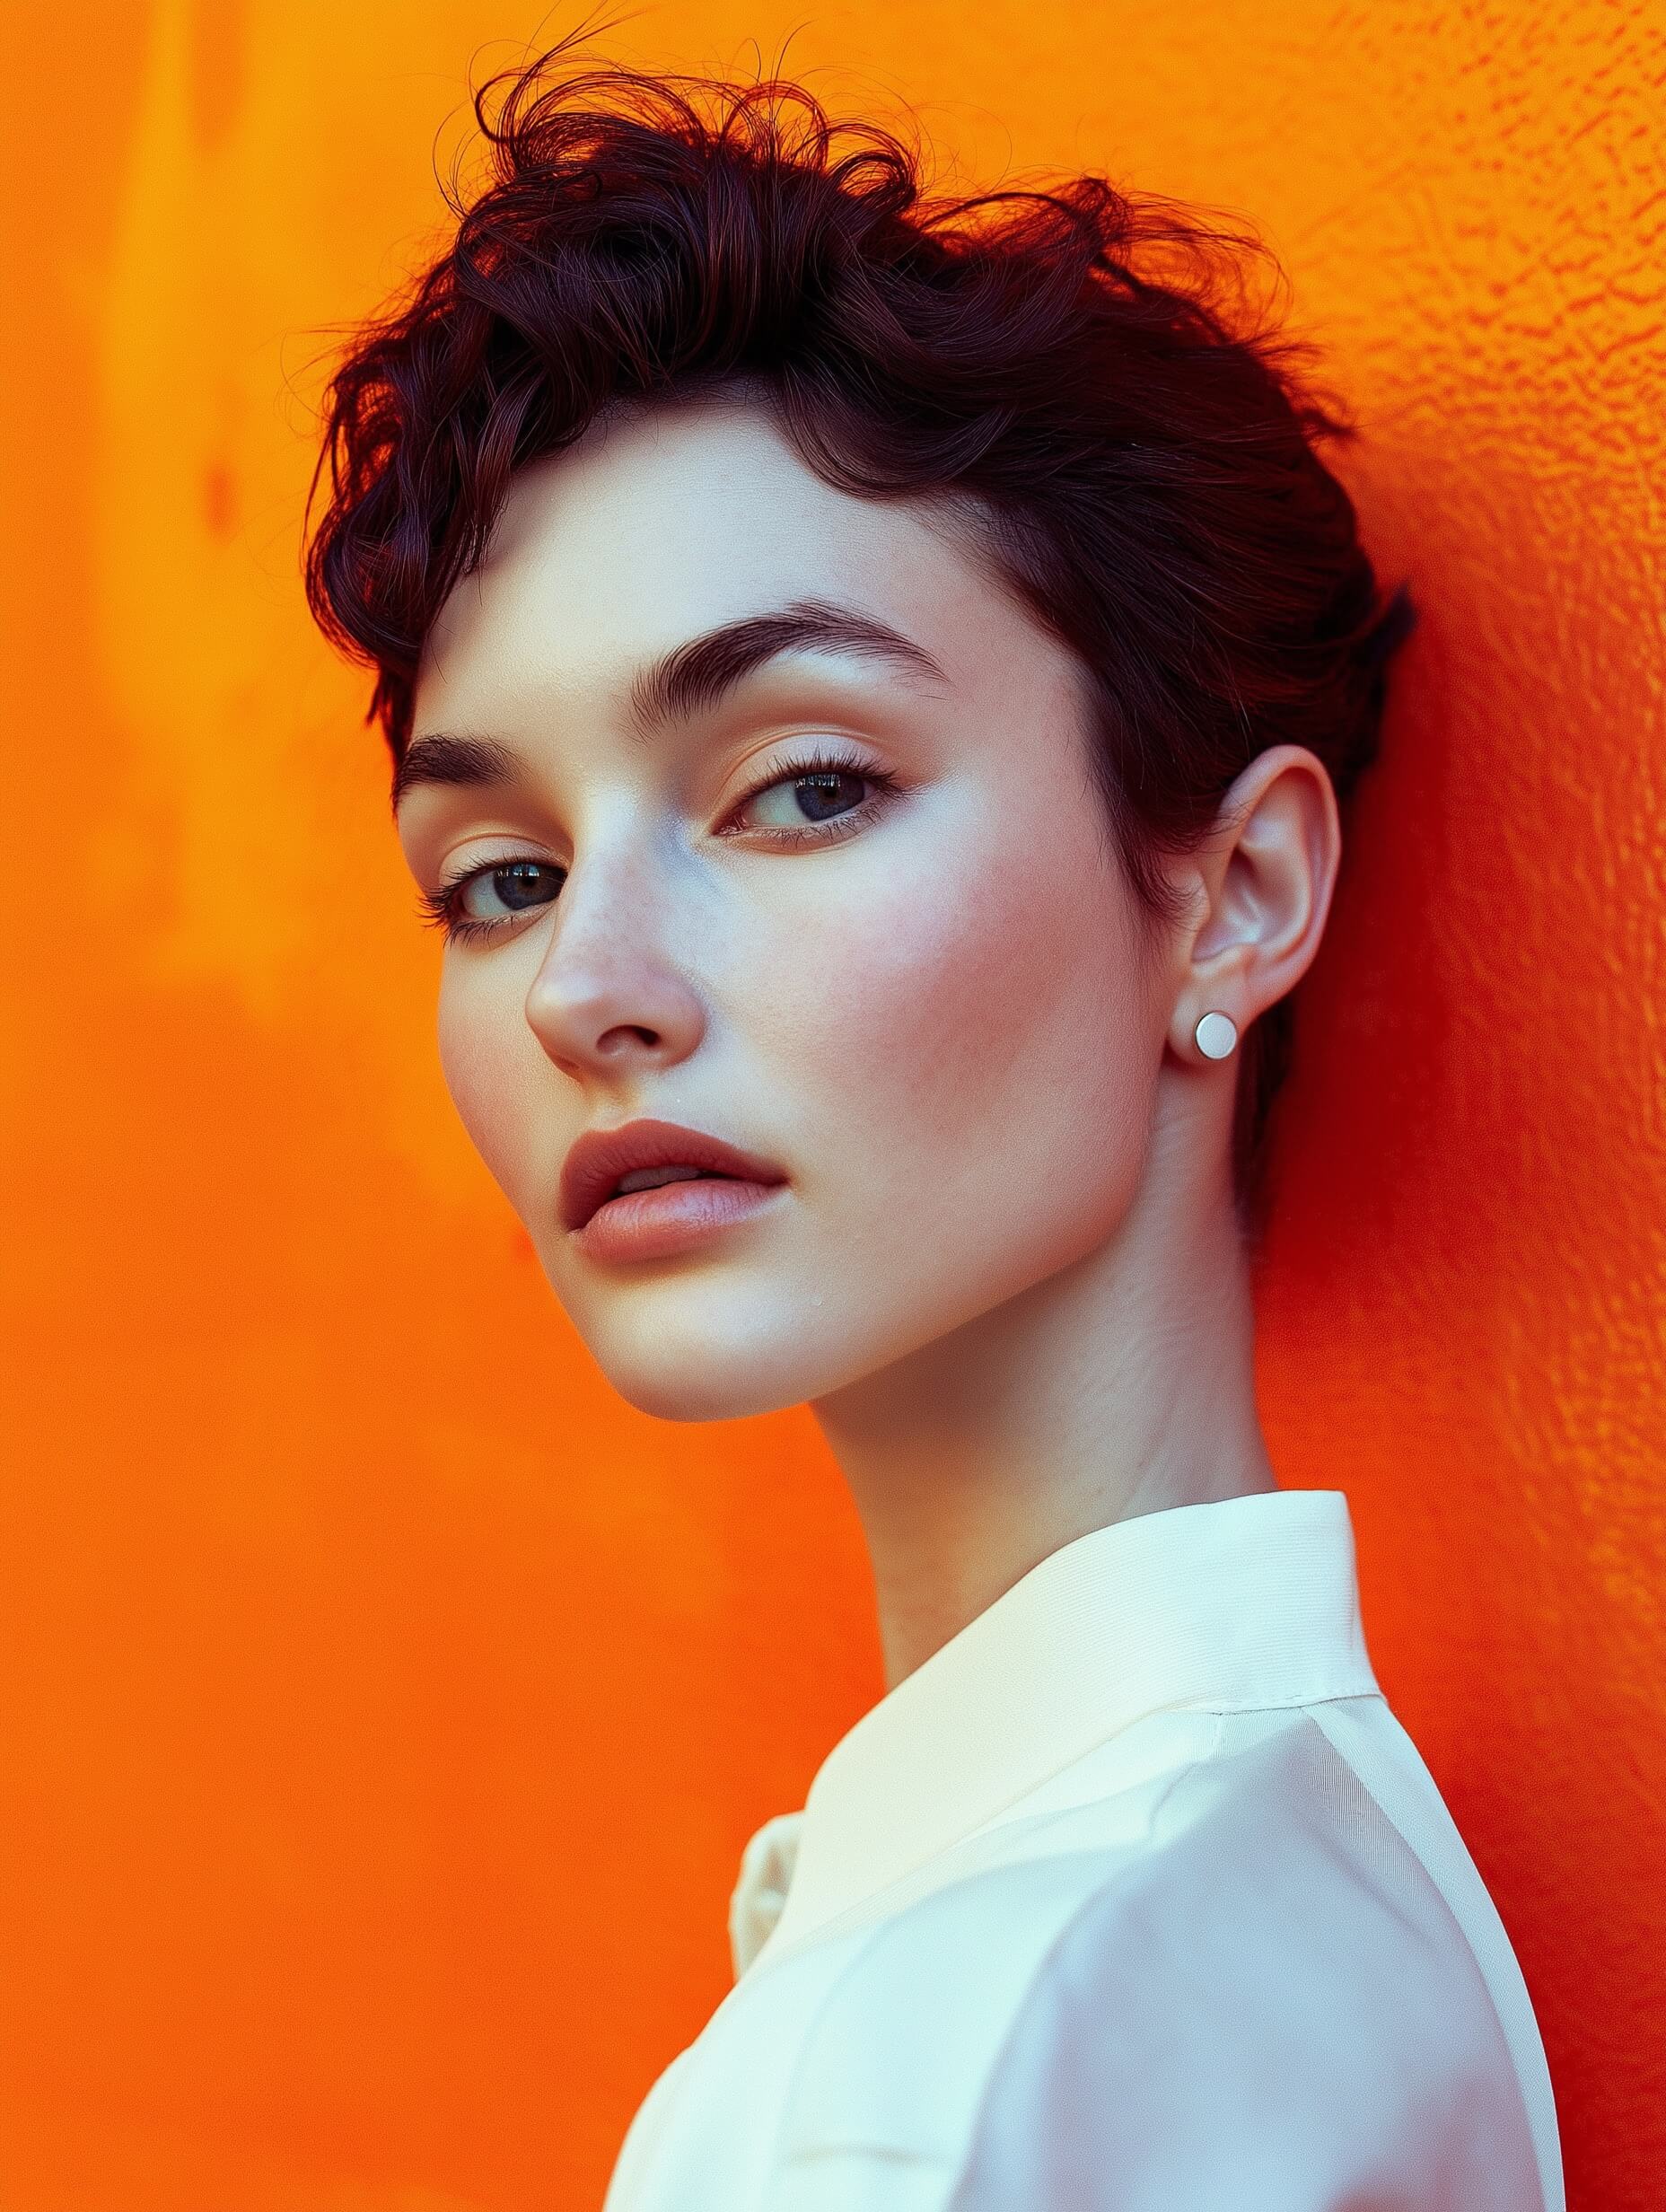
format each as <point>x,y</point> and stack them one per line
<point>386,1705</point>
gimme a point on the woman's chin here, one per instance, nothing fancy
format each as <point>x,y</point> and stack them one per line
<point>677,1366</point>
<point>716,1387</point>
<point>719,1348</point>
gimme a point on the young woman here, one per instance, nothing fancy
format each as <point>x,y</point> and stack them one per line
<point>869,684</point>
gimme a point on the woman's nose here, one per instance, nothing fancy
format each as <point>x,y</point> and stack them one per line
<point>610,994</point>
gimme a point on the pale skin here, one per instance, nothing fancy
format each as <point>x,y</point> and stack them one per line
<point>1008,1275</point>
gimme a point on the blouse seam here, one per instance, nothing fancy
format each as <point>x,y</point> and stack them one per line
<point>1482,1895</point>
<point>1297,1701</point>
<point>775,2165</point>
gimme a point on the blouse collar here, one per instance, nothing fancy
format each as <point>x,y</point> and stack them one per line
<point>1242,1603</point>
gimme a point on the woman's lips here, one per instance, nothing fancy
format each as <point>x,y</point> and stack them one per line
<point>600,1160</point>
<point>669,1218</point>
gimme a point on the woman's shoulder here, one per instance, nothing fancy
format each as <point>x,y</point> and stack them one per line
<point>1266,1980</point>
<point>1271,2004</point>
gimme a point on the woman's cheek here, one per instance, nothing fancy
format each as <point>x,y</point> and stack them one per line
<point>493,1064</point>
<point>980,1087</point>
<point>923,996</point>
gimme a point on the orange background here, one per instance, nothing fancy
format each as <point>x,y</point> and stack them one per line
<point>386,1704</point>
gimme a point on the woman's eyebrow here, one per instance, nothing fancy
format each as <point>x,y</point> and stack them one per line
<point>689,679</point>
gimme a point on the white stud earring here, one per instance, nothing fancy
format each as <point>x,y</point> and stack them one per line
<point>1216,1034</point>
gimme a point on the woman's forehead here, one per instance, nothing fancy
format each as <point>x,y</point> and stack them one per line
<point>665,523</point>
<point>710,492</point>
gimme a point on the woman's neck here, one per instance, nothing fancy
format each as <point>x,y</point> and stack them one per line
<point>1121,1386</point>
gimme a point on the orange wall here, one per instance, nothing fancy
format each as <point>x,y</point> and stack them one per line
<point>387,1705</point>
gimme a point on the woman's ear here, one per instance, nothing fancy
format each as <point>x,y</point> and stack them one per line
<point>1260,886</point>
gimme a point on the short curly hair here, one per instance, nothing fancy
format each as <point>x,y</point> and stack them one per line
<point>1080,367</point>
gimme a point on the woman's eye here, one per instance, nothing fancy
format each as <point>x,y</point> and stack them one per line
<point>487,899</point>
<point>518,885</point>
<point>802,795</point>
<point>785,805</point>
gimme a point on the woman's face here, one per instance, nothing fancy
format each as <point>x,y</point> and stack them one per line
<point>916,985</point>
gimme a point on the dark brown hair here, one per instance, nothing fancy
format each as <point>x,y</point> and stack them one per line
<point>1083,366</point>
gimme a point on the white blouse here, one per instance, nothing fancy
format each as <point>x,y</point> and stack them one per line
<point>1134,1897</point>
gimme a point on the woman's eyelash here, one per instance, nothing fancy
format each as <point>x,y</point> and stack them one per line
<point>441,909</point>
